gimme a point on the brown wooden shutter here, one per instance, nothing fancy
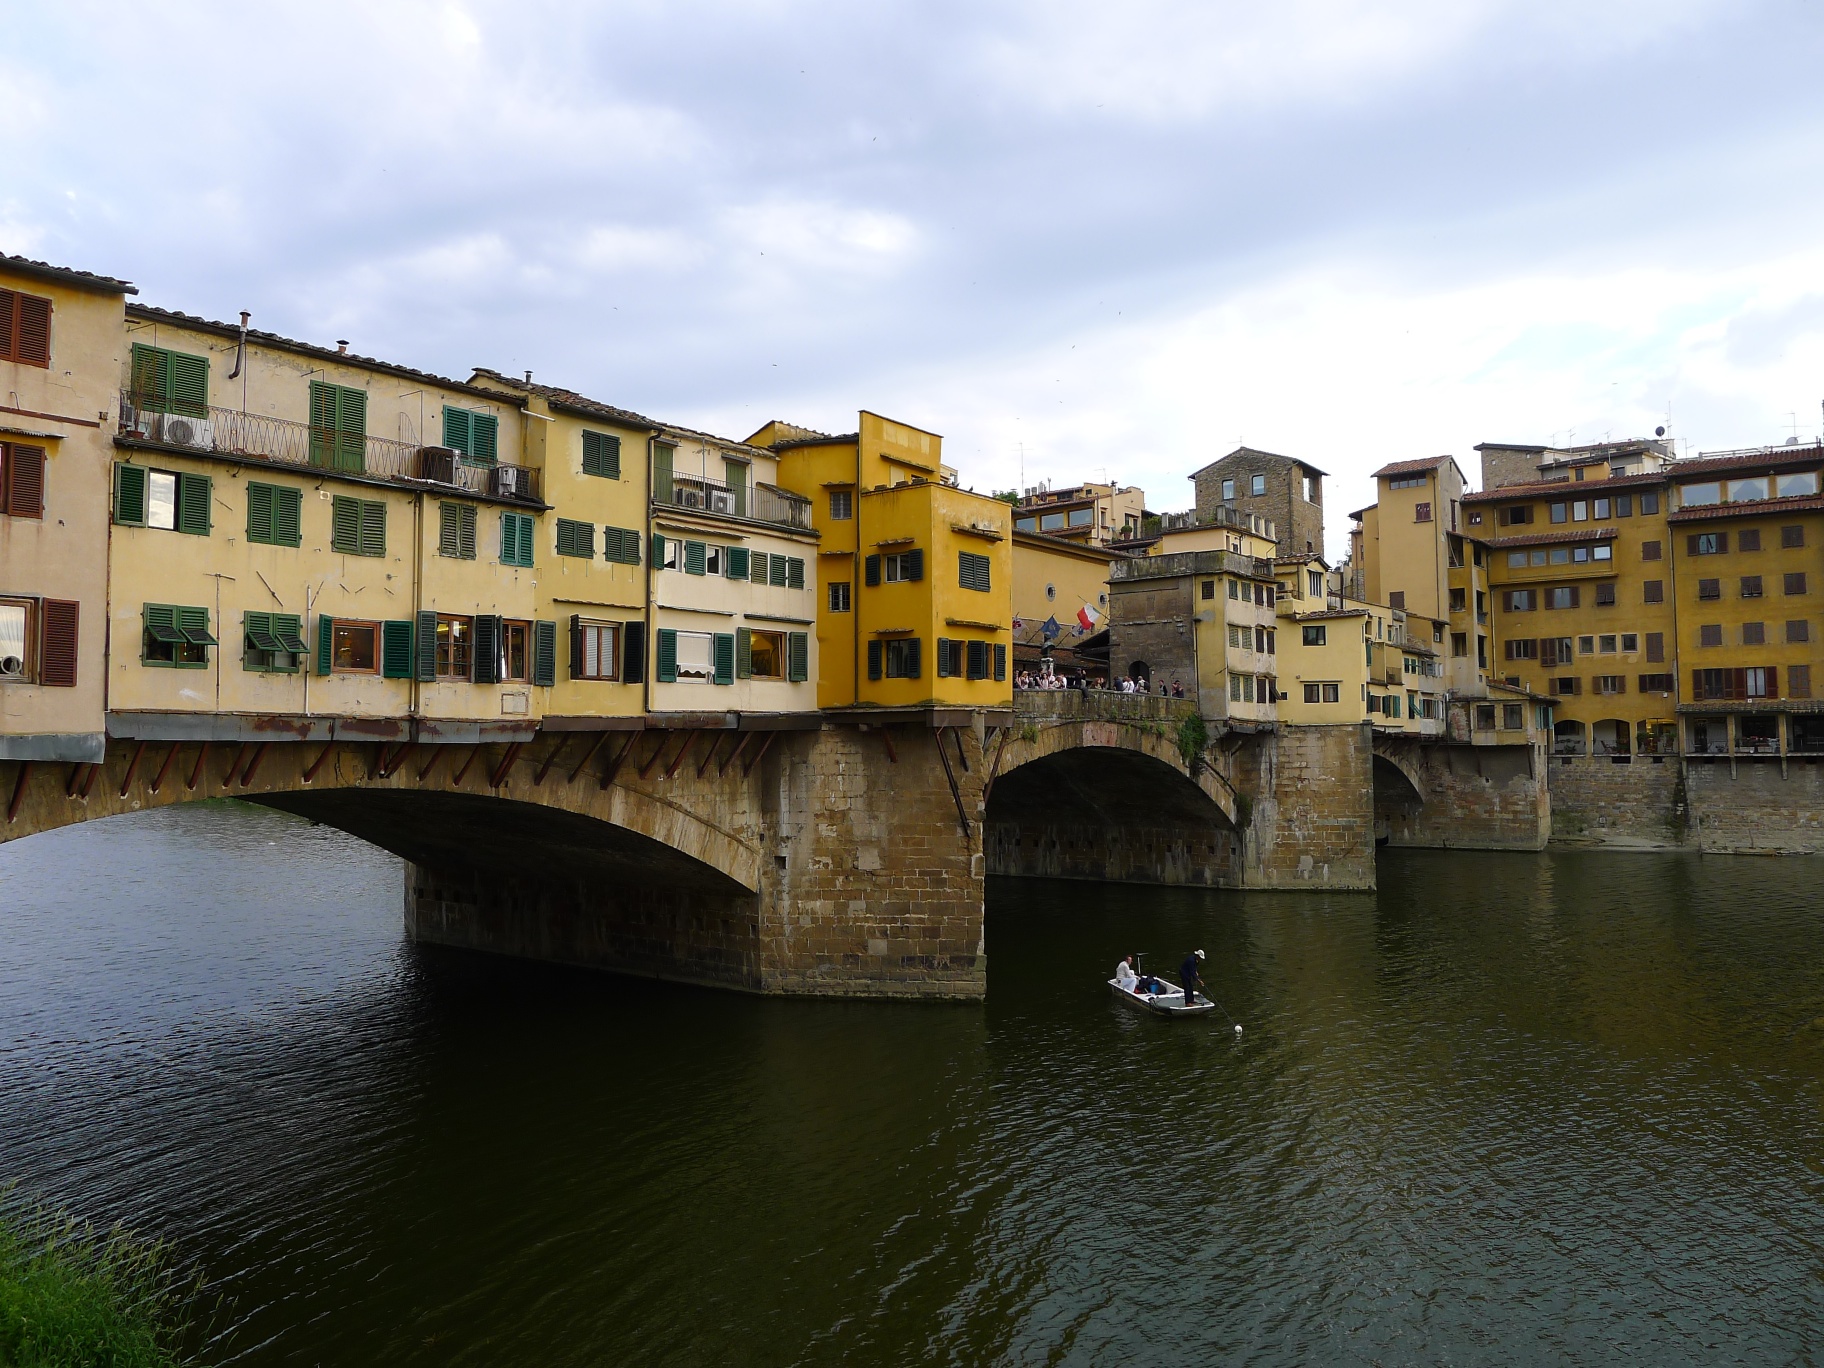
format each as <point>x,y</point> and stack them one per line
<point>32,340</point>
<point>57,654</point>
<point>25,481</point>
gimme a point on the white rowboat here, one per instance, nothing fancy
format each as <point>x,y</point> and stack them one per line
<point>1167,1002</point>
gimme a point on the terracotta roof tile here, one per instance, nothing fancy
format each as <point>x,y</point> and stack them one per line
<point>83,280</point>
<point>1540,489</point>
<point>1747,509</point>
<point>1583,534</point>
<point>1762,460</point>
<point>1411,467</point>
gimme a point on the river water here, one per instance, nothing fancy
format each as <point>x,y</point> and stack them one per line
<point>1560,1107</point>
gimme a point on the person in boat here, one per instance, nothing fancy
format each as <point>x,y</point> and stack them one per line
<point>1125,977</point>
<point>1190,973</point>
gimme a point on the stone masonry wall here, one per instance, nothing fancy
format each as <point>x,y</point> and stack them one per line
<point>1639,805</point>
<point>1757,809</point>
<point>1475,798</point>
<point>1311,816</point>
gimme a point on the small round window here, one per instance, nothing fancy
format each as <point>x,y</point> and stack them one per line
<point>1051,591</point>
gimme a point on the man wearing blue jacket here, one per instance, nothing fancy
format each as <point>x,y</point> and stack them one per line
<point>1189,973</point>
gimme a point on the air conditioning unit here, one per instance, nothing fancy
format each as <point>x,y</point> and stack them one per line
<point>690,497</point>
<point>511,482</point>
<point>437,463</point>
<point>721,501</point>
<point>180,429</point>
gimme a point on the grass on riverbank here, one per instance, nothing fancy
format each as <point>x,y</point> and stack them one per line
<point>71,1297</point>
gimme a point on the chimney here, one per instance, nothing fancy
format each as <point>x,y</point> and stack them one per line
<point>342,345</point>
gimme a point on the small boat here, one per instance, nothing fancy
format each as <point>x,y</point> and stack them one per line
<point>1167,1002</point>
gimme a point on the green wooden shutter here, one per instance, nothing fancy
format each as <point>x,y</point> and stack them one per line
<point>873,660</point>
<point>668,656</point>
<point>259,512</point>
<point>326,638</point>
<point>744,653</point>
<point>487,648</point>
<point>449,529</point>
<point>465,544</point>
<point>1000,663</point>
<point>657,545</point>
<point>486,428</point>
<point>694,556</point>
<point>373,528</point>
<point>148,382</point>
<point>915,566</point>
<point>757,567</point>
<point>725,658</point>
<point>322,423</point>
<point>257,642</point>
<point>871,571</point>
<point>914,667</point>
<point>193,497</point>
<point>978,660</point>
<point>287,515</point>
<point>515,539</point>
<point>633,653</point>
<point>544,654</point>
<point>427,647</point>
<point>193,623</point>
<point>734,562</point>
<point>661,472</point>
<point>160,621</point>
<point>602,455</point>
<point>396,650</point>
<point>778,569</point>
<point>129,494</point>
<point>794,573</point>
<point>458,433</point>
<point>345,525</point>
<point>351,429</point>
<point>943,657</point>
<point>798,657</point>
<point>576,645</point>
<point>188,379</point>
<point>289,629</point>
<point>735,477</point>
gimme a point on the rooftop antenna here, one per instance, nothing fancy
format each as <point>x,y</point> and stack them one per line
<point>1022,470</point>
<point>1793,423</point>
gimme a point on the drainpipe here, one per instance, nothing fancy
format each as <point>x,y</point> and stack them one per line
<point>857,566</point>
<point>651,663</point>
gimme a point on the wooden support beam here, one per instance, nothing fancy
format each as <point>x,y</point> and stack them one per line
<point>18,799</point>
<point>474,751</point>
<point>79,770</point>
<point>390,766</point>
<point>678,759</point>
<point>657,751</point>
<point>170,755</point>
<point>734,754</point>
<point>957,734</point>
<point>315,765</point>
<point>202,754</point>
<point>126,780</point>
<point>239,756</point>
<point>550,760</point>
<point>995,772</point>
<point>436,755</point>
<point>506,763</point>
<point>615,768</point>
<point>259,754</point>
<point>950,774</point>
<point>715,744</point>
<point>886,737</point>
<point>596,745</point>
<point>760,754</point>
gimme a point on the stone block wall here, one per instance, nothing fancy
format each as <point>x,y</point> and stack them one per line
<point>1756,809</point>
<point>1310,821</point>
<point>1474,797</point>
<point>1639,805</point>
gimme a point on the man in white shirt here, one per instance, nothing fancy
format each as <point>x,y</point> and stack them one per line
<point>1125,977</point>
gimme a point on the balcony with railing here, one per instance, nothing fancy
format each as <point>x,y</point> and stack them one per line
<point>282,442</point>
<point>705,494</point>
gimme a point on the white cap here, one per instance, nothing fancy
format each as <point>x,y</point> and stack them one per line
<point>1200,954</point>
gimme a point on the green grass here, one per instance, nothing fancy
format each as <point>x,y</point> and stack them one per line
<point>72,1297</point>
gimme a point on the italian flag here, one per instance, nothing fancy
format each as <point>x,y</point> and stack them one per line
<point>1087,618</point>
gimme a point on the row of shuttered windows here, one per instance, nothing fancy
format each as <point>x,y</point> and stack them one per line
<point>724,657</point>
<point>903,658</point>
<point>729,562</point>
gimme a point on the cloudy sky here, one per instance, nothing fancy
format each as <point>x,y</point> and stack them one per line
<point>1099,239</point>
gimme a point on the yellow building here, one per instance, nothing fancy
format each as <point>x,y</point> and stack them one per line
<point>302,532</point>
<point>60,349</point>
<point>914,576</point>
<point>1222,528</point>
<point>1088,514</point>
<point>1346,660</point>
<point>1205,621</point>
<point>1063,582</point>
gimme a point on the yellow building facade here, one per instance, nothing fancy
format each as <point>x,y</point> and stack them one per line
<point>914,576</point>
<point>60,356</point>
<point>1060,581</point>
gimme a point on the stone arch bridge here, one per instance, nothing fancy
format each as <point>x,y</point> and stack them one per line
<point>841,854</point>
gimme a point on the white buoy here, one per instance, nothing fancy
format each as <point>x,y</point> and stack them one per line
<point>1238,1030</point>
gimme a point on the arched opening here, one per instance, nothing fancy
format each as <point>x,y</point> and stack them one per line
<point>1108,813</point>
<point>1397,801</point>
<point>1611,737</point>
<point>1138,672</point>
<point>1568,738</point>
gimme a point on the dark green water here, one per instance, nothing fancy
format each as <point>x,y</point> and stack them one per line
<point>1511,1108</point>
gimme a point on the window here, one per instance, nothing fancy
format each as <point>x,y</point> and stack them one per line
<point>1564,686</point>
<point>515,665</point>
<point>175,635</point>
<point>177,501</point>
<point>1565,596</point>
<point>475,435</point>
<point>1630,642</point>
<point>1518,600</point>
<point>1656,648</point>
<point>1649,550</point>
<point>575,538</point>
<point>1079,517</point>
<point>1459,644</point>
<point>354,647</point>
<point>1754,634</point>
<point>1710,634</point>
<point>1397,600</point>
<point>1316,578</point>
<point>1605,644</point>
<point>1554,651</point>
<point>696,558</point>
<point>1258,484</point>
<point>621,545</point>
<point>842,505</point>
<point>1655,683</point>
<point>1580,510</point>
<point>274,514</point>
<point>22,479</point>
<point>1051,522</point>
<point>1709,589</point>
<point>1792,486</point>
<point>1624,505</point>
<point>760,655</point>
<point>687,657</point>
<point>17,618</point>
<point>1798,631</point>
<point>972,571</point>
<point>1560,512</point>
<point>1408,482</point>
<point>714,559</point>
<point>1792,536</point>
<point>1514,515</point>
<point>1522,649</point>
<point>1751,586</point>
<point>169,382</point>
<point>1561,555</point>
<point>271,642</point>
<point>357,526</point>
<point>1513,717</point>
<point>338,427</point>
<point>1020,524</point>
<point>602,455</point>
<point>839,596</point>
<point>1649,504</point>
<point>902,657</point>
<point>1209,590</point>
<point>1610,684</point>
<point>1653,591</point>
<point>1316,635</point>
<point>1795,582</point>
<point>903,567</point>
<point>1586,645</point>
<point>1605,595</point>
<point>1707,543</point>
<point>1798,681</point>
<point>1599,508</point>
<point>1228,490</point>
<point>516,539</point>
<point>450,653</point>
<point>1748,539</point>
<point>25,328</point>
<point>1694,494</point>
<point>595,649</point>
<point>1760,682</point>
<point>1314,693</point>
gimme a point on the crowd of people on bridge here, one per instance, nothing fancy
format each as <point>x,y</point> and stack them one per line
<point>1084,681</point>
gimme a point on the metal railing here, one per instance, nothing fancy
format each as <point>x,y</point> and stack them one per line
<point>761,502</point>
<point>260,437</point>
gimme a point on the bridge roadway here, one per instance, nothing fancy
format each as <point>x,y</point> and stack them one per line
<point>841,854</point>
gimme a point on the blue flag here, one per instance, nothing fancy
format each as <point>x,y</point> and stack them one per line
<point>1051,629</point>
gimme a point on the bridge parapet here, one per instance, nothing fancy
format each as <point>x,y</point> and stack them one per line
<point>1097,705</point>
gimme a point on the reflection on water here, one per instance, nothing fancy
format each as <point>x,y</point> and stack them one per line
<point>1511,1107</point>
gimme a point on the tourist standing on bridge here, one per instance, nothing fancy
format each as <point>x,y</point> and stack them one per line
<point>1191,972</point>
